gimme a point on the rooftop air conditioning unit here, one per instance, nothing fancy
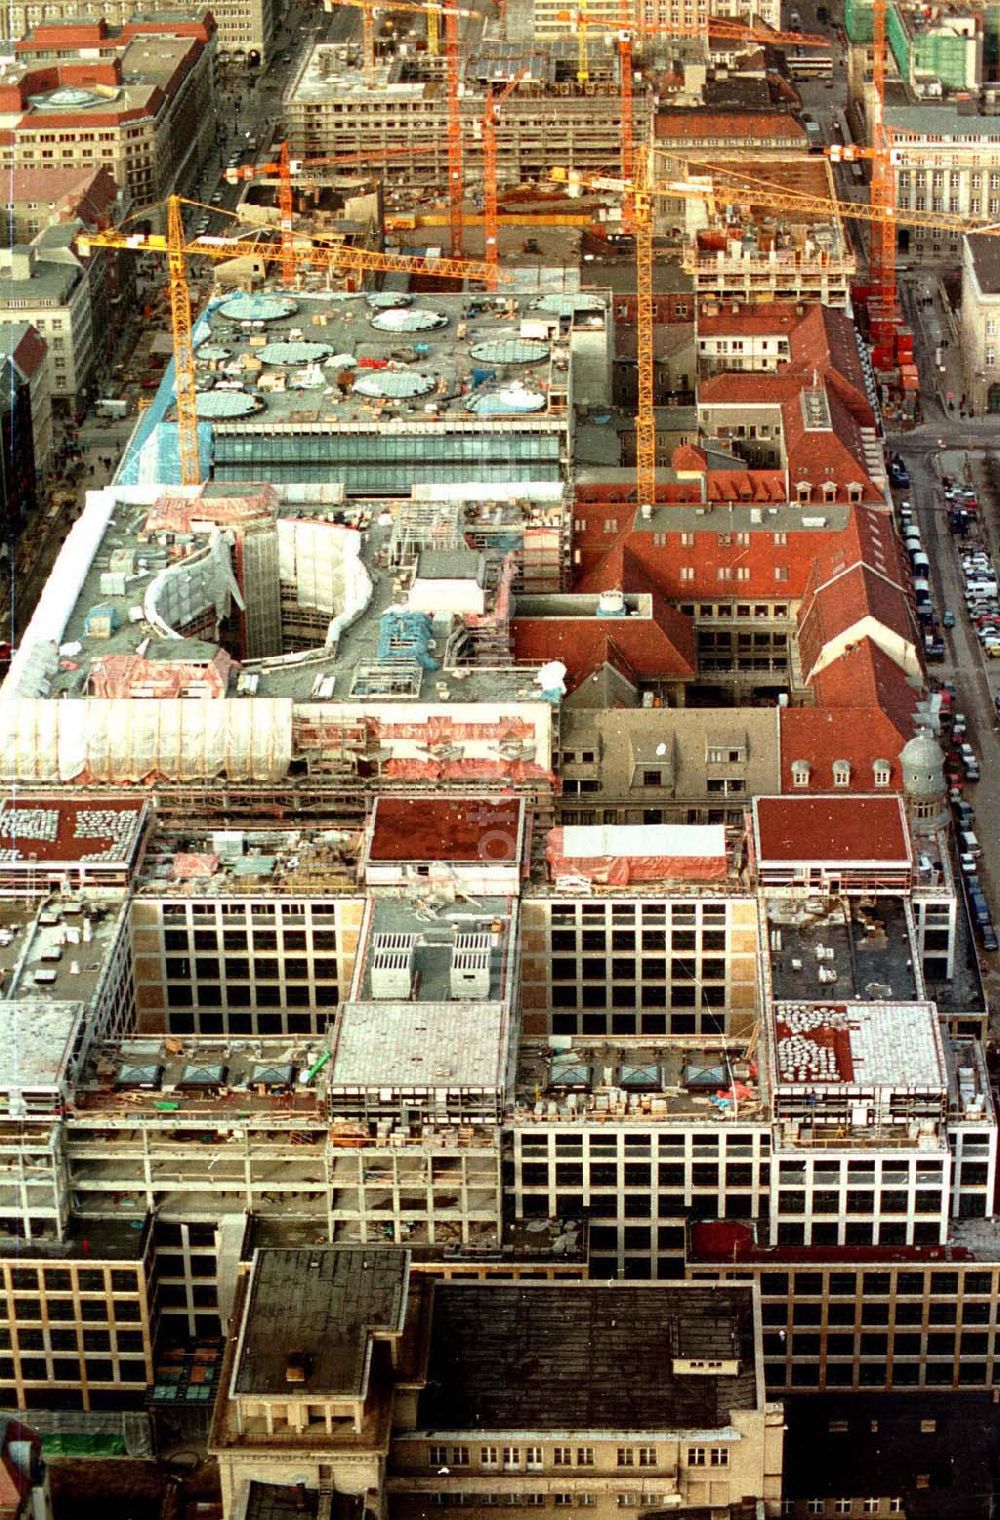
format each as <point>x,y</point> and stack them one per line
<point>392,965</point>
<point>470,966</point>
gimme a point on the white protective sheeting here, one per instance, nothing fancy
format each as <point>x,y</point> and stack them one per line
<point>184,739</point>
<point>36,657</point>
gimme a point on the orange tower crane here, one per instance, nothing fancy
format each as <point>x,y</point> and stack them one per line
<point>729,188</point>
<point>451,14</point>
<point>455,171</point>
<point>178,249</point>
<point>882,237</point>
<point>286,169</point>
<point>491,219</point>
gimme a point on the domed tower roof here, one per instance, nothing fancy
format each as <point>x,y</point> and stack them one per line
<point>922,762</point>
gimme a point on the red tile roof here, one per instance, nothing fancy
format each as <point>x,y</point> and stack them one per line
<point>635,559</point>
<point>29,353</point>
<point>865,676</point>
<point>684,124</point>
<point>858,598</point>
<point>87,193</point>
<point>731,319</point>
<point>445,828</point>
<point>821,456</point>
<point>641,648</point>
<point>841,829</point>
<point>820,735</point>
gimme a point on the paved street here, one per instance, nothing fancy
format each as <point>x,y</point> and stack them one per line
<point>976,678</point>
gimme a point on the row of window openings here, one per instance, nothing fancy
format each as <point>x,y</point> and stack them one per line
<point>625,939</point>
<point>263,939</point>
<point>516,1500</point>
<point>532,1458</point>
<point>682,969</point>
<point>238,970</point>
<point>874,1315</point>
<point>681,912</point>
<point>843,1506</point>
<point>715,755</point>
<point>734,610</point>
<point>174,912</point>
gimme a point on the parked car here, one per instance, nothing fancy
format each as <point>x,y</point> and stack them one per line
<point>988,937</point>
<point>980,908</point>
<point>948,618</point>
<point>971,768</point>
<point>965,814</point>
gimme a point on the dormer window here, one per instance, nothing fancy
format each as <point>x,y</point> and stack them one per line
<point>829,490</point>
<point>854,492</point>
<point>800,772</point>
<point>803,491</point>
<point>841,773</point>
<point>883,771</point>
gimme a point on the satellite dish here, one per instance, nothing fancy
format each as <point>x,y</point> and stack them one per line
<point>661,749</point>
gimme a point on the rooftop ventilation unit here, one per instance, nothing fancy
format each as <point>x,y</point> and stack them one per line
<point>392,965</point>
<point>470,966</point>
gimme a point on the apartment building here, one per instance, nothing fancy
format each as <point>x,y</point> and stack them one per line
<point>245,28</point>
<point>48,285</point>
<point>40,197</point>
<point>980,326</point>
<point>654,765</point>
<point>25,412</point>
<point>143,109</point>
<point>391,1386</point>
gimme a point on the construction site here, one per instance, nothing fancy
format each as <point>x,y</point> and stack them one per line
<point>480,843</point>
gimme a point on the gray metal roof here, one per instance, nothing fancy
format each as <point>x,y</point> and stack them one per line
<point>585,1357</point>
<point>321,1305</point>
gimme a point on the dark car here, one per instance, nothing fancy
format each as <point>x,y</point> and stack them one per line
<point>980,909</point>
<point>988,936</point>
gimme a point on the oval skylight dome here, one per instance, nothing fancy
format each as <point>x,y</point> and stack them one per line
<point>246,307</point>
<point>506,399</point>
<point>415,319</point>
<point>397,384</point>
<point>293,353</point>
<point>387,300</point>
<point>509,350</point>
<point>225,404</point>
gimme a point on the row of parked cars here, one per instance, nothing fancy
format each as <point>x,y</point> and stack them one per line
<point>982,597</point>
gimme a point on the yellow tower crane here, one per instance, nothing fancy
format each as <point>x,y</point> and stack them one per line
<point>178,249</point>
